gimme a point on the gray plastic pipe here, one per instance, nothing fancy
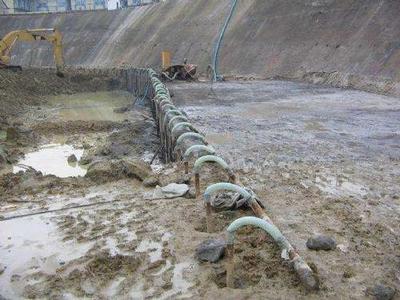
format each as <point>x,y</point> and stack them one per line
<point>174,112</point>
<point>271,229</point>
<point>162,120</point>
<point>175,134</point>
<point>181,124</point>
<point>195,148</point>
<point>167,106</point>
<point>188,135</point>
<point>210,151</point>
<point>304,272</point>
<point>178,144</point>
<point>209,158</point>
<point>176,118</point>
<point>164,102</point>
<point>166,135</point>
<point>221,186</point>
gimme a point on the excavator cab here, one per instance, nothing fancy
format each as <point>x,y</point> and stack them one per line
<point>50,35</point>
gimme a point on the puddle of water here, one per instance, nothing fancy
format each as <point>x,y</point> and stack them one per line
<point>92,106</point>
<point>331,185</point>
<point>29,245</point>
<point>51,159</point>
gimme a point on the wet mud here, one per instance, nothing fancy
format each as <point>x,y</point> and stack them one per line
<point>104,236</point>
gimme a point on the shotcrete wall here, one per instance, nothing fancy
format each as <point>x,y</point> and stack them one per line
<point>342,42</point>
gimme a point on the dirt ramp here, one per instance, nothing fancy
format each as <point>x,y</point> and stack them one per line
<point>343,43</point>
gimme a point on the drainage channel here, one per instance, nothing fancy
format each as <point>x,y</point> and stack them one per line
<point>180,141</point>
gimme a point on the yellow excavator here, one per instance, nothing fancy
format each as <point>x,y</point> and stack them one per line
<point>50,35</point>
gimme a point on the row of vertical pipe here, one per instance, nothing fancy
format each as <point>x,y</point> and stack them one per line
<point>180,141</point>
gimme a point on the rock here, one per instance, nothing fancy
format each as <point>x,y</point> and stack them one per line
<point>72,159</point>
<point>211,250</point>
<point>191,194</point>
<point>321,242</point>
<point>381,292</point>
<point>151,181</point>
<point>137,168</point>
<point>172,190</point>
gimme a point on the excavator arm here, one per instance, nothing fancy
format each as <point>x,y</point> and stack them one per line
<point>50,35</point>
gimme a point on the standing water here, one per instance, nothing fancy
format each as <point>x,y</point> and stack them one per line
<point>52,159</point>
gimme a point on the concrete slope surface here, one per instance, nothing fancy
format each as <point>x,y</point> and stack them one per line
<point>350,43</point>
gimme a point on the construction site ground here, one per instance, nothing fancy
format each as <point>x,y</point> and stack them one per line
<point>323,160</point>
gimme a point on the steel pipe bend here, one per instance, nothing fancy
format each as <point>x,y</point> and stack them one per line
<point>210,150</point>
<point>176,118</point>
<point>224,186</point>
<point>190,134</point>
<point>180,124</point>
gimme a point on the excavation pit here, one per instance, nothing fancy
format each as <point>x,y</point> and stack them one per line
<point>302,148</point>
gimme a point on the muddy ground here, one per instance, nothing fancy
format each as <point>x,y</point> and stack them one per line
<point>325,161</point>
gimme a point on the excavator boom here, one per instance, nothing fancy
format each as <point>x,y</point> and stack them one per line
<point>50,35</point>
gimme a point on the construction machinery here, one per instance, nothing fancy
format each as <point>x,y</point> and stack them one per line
<point>182,72</point>
<point>50,35</point>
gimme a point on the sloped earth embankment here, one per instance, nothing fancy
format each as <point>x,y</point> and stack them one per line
<point>344,43</point>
